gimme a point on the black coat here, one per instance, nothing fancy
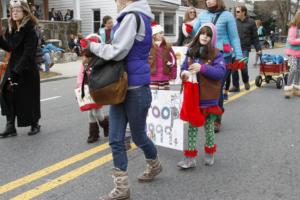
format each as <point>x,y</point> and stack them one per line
<point>26,95</point>
<point>248,34</point>
<point>182,39</point>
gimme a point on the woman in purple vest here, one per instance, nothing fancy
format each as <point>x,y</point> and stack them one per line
<point>133,46</point>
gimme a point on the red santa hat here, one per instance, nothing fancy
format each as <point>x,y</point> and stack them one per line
<point>156,28</point>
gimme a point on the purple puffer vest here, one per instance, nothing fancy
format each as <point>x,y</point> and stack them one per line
<point>138,68</point>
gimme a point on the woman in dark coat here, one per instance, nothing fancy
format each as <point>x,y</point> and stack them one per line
<point>185,29</point>
<point>20,88</point>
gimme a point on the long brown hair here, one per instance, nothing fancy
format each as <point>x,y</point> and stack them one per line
<point>27,17</point>
<point>187,16</point>
<point>195,45</point>
<point>296,20</point>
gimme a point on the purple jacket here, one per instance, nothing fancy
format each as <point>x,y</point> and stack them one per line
<point>210,79</point>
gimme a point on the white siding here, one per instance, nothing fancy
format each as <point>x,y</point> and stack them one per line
<point>107,7</point>
<point>61,5</point>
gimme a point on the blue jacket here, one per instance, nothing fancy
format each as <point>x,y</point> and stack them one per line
<point>103,35</point>
<point>227,32</point>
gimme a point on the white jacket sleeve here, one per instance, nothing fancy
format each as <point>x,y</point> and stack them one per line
<point>122,42</point>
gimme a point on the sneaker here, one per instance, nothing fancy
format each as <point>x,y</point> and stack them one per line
<point>234,89</point>
<point>51,65</point>
<point>209,159</point>
<point>187,163</point>
<point>247,86</point>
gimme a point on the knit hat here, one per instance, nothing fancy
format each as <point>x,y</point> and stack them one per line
<point>156,28</point>
<point>20,3</point>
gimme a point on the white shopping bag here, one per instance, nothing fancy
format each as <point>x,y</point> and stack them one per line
<point>85,103</point>
<point>164,125</point>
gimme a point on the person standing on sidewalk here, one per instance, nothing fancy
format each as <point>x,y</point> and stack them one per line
<point>293,52</point>
<point>106,33</point>
<point>20,88</point>
<point>248,36</point>
<point>134,46</point>
<point>185,29</point>
<point>261,37</point>
<point>228,40</point>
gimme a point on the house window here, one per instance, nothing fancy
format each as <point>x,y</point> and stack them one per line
<point>157,17</point>
<point>96,20</point>
<point>170,23</point>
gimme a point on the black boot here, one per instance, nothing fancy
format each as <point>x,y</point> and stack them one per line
<point>35,129</point>
<point>93,133</point>
<point>105,124</point>
<point>10,129</point>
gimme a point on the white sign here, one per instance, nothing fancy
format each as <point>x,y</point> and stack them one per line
<point>164,126</point>
<point>178,2</point>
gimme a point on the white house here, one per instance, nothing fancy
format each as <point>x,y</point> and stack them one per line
<point>168,13</point>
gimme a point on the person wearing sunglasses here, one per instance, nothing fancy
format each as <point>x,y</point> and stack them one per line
<point>185,29</point>
<point>248,36</point>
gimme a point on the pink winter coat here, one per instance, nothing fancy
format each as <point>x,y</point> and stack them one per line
<point>162,61</point>
<point>293,42</point>
<point>80,76</point>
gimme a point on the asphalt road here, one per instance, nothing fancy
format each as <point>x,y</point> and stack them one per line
<point>257,158</point>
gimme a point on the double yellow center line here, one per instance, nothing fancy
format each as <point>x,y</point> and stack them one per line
<point>74,173</point>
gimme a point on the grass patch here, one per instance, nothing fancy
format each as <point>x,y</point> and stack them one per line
<point>44,75</point>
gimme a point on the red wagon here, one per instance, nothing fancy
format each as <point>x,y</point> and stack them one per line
<point>267,71</point>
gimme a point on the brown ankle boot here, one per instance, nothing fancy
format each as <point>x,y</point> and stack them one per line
<point>153,168</point>
<point>105,124</point>
<point>93,133</point>
<point>121,190</point>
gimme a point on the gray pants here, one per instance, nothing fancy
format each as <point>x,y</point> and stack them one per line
<point>95,115</point>
<point>294,74</point>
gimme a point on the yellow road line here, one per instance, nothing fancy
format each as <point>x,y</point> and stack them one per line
<point>240,94</point>
<point>77,172</point>
<point>65,178</point>
<point>48,170</point>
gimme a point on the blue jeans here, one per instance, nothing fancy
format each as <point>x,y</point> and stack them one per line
<point>47,61</point>
<point>228,60</point>
<point>245,75</point>
<point>133,110</point>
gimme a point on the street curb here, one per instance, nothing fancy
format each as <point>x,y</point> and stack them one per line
<point>56,78</point>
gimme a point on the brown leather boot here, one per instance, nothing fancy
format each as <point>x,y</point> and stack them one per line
<point>121,190</point>
<point>153,168</point>
<point>105,124</point>
<point>94,133</point>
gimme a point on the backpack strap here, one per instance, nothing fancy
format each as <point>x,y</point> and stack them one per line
<point>216,18</point>
<point>138,20</point>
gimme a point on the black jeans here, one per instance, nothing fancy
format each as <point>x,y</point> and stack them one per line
<point>245,75</point>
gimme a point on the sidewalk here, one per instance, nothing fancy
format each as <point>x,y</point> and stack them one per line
<point>67,70</point>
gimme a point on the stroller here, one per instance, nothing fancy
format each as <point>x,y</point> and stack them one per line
<point>270,66</point>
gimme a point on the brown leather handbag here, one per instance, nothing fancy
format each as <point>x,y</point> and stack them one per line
<point>107,81</point>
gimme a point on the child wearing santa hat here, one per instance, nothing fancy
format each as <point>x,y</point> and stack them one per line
<point>202,75</point>
<point>162,60</point>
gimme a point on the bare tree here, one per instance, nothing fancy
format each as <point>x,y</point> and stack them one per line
<point>286,9</point>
